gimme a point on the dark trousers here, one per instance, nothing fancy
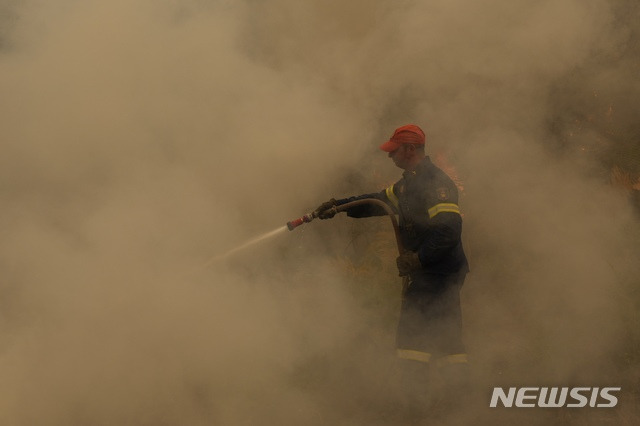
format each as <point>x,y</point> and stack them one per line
<point>431,319</point>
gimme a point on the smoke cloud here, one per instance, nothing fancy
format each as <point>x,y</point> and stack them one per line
<point>141,139</point>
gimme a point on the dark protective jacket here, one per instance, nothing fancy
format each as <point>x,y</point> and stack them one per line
<point>426,201</point>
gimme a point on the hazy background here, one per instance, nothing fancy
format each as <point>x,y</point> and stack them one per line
<point>142,138</point>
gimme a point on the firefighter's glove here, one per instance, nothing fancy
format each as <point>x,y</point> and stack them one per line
<point>407,263</point>
<point>327,209</point>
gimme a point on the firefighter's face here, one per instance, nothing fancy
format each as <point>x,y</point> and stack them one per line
<point>402,156</point>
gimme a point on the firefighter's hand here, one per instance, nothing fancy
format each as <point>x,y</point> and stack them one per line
<point>326,210</point>
<point>407,263</point>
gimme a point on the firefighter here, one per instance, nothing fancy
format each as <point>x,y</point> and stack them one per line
<point>429,333</point>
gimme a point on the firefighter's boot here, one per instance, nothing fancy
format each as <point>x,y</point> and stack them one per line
<point>416,389</point>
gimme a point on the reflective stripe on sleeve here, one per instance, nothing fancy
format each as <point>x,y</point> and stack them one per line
<point>452,359</point>
<point>391,196</point>
<point>413,355</point>
<point>443,207</point>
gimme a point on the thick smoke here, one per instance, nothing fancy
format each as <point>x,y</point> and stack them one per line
<point>140,139</point>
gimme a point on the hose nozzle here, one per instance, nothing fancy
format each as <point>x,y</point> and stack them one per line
<point>304,219</point>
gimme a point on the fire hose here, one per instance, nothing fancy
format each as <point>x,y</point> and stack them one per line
<point>337,209</point>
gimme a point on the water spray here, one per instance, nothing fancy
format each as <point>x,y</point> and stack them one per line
<point>245,245</point>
